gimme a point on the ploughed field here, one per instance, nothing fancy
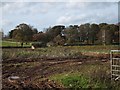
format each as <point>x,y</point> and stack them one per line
<point>72,70</point>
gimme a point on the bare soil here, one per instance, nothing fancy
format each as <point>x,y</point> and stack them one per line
<point>34,73</point>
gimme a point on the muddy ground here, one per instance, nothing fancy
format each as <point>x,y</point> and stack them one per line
<point>34,73</point>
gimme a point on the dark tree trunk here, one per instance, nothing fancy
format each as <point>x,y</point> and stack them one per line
<point>22,44</point>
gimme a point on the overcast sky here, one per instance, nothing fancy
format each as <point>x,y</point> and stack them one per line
<point>45,14</point>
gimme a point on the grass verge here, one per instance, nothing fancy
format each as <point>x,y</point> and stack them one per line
<point>91,75</point>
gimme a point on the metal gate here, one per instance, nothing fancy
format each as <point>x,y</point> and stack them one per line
<point>115,64</point>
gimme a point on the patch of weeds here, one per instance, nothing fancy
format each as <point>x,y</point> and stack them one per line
<point>95,79</point>
<point>75,82</point>
<point>72,80</point>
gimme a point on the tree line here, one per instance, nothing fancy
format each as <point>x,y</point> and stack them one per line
<point>93,34</point>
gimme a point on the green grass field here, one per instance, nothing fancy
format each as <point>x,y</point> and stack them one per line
<point>96,48</point>
<point>58,52</point>
<point>12,43</point>
<point>53,52</point>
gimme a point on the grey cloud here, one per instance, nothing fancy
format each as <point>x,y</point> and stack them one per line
<point>91,13</point>
<point>23,8</point>
<point>89,5</point>
<point>6,22</point>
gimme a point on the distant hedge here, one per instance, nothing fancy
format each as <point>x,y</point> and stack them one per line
<point>38,44</point>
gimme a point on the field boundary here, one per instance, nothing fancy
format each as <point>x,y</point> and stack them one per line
<point>15,47</point>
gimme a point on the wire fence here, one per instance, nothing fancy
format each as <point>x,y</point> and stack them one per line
<point>115,64</point>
